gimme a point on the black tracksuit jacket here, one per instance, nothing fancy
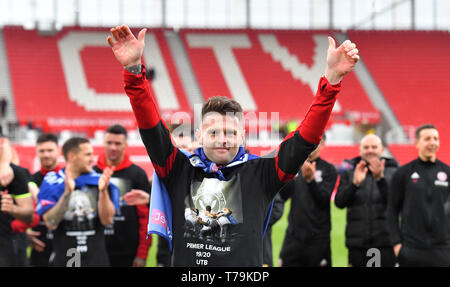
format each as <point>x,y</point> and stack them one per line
<point>366,207</point>
<point>420,196</point>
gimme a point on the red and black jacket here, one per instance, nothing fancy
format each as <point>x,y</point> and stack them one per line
<point>250,187</point>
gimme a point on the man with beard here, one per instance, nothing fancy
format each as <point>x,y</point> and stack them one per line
<point>126,241</point>
<point>47,151</point>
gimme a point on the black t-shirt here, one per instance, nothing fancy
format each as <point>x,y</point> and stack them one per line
<point>80,231</point>
<point>122,236</point>
<point>17,188</point>
<point>247,192</point>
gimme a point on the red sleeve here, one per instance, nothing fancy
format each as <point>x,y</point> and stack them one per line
<point>141,99</point>
<point>154,132</point>
<point>144,244</point>
<point>18,226</point>
<point>297,145</point>
<point>316,119</point>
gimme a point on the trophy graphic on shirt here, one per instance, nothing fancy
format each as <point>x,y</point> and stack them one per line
<point>81,211</point>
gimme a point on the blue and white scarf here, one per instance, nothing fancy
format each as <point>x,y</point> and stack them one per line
<point>160,215</point>
<point>53,187</point>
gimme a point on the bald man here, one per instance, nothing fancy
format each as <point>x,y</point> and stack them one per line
<point>363,190</point>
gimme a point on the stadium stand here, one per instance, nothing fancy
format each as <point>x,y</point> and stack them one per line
<point>409,68</point>
<point>71,81</point>
<point>270,71</point>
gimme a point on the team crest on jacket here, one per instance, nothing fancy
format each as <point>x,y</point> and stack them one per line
<point>441,179</point>
<point>318,176</point>
<point>442,176</point>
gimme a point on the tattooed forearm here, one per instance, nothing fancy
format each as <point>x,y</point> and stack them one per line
<point>54,216</point>
<point>136,69</point>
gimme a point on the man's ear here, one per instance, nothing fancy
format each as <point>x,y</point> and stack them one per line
<point>70,156</point>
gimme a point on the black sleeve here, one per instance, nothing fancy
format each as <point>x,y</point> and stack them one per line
<point>141,181</point>
<point>287,190</point>
<point>321,192</point>
<point>346,190</point>
<point>277,209</point>
<point>395,204</point>
<point>292,153</point>
<point>19,186</point>
<point>163,252</point>
<point>37,178</point>
<point>169,162</point>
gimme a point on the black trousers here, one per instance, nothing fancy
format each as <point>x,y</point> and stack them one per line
<point>20,244</point>
<point>414,257</point>
<point>296,253</point>
<point>6,252</point>
<point>359,257</point>
<point>121,260</point>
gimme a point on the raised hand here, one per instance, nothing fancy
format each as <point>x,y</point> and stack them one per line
<point>7,202</point>
<point>136,197</point>
<point>360,173</point>
<point>103,181</point>
<point>340,60</point>
<point>69,181</point>
<point>126,48</point>
<point>35,243</point>
<point>376,167</point>
<point>308,171</point>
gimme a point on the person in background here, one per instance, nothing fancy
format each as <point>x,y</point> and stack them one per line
<point>76,203</point>
<point>40,237</point>
<point>363,190</point>
<point>307,240</point>
<point>126,238</point>
<point>15,204</point>
<point>419,206</point>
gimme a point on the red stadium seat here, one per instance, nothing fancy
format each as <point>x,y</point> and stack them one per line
<point>411,70</point>
<point>72,81</point>
<point>278,69</point>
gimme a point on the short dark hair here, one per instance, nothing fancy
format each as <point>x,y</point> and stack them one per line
<point>117,130</point>
<point>223,106</point>
<point>424,127</point>
<point>73,145</point>
<point>47,137</point>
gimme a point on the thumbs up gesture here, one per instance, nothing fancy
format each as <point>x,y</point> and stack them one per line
<point>340,60</point>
